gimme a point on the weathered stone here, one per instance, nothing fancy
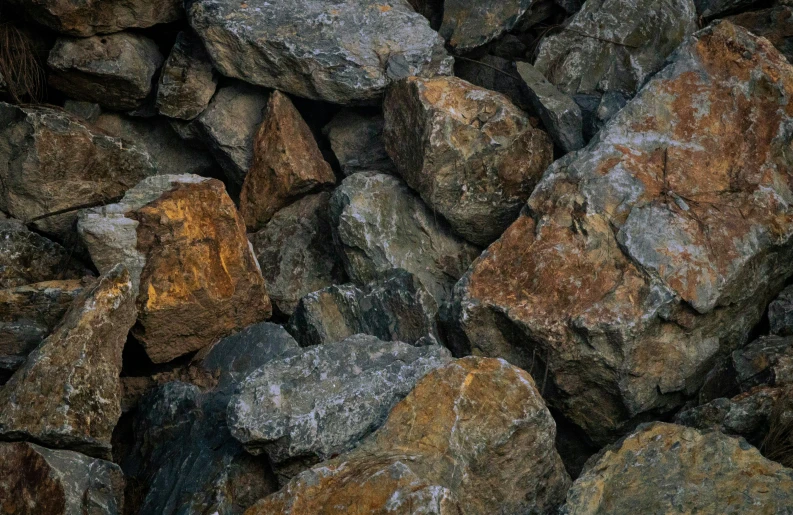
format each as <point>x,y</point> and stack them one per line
<point>185,246</point>
<point>665,468</point>
<point>187,81</point>
<point>394,308</point>
<point>286,164</point>
<point>468,24</point>
<point>496,74</point>
<point>115,71</point>
<point>614,45</point>
<point>88,111</point>
<point>296,253</point>
<point>472,437</point>
<point>317,50</point>
<point>775,24</point>
<point>356,138</point>
<point>712,8</point>
<point>780,313</point>
<point>380,225</point>
<point>652,252</point>
<point>68,394</point>
<point>39,481</point>
<point>472,155</point>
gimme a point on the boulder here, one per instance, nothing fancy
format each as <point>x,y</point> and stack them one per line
<point>356,138</point>
<point>379,225</point>
<point>473,156</point>
<point>468,24</point>
<point>780,313</point>
<point>286,164</point>
<point>185,246</point>
<point>472,437</point>
<point>296,253</point>
<point>316,50</point>
<point>187,81</point>
<point>68,393</point>
<point>88,111</point>
<point>774,24</point>
<point>115,71</point>
<point>496,74</point>
<point>646,256</point>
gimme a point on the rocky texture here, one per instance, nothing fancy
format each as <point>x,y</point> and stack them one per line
<point>68,394</point>
<point>88,111</point>
<point>317,50</point>
<point>775,24</point>
<point>653,251</point>
<point>614,45</point>
<point>780,313</point>
<point>468,24</point>
<point>39,481</point>
<point>472,437</point>
<point>286,164</point>
<point>712,8</point>
<point>496,74</point>
<point>394,308</point>
<point>380,225</point>
<point>472,156</point>
<point>186,248</point>
<point>115,71</point>
<point>356,138</point>
<point>296,253</point>
<point>645,473</point>
<point>187,81</point>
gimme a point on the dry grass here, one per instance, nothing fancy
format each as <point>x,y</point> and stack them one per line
<point>20,69</point>
<point>778,443</point>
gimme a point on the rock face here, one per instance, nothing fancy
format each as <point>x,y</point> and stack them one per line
<point>68,393</point>
<point>394,308</point>
<point>115,71</point>
<point>472,156</point>
<point>780,313</point>
<point>614,45</point>
<point>775,24</point>
<point>380,225</point>
<point>185,245</point>
<point>468,24</point>
<point>296,253</point>
<point>187,81</point>
<point>286,164</point>
<point>472,437</point>
<point>643,474</point>
<point>44,481</point>
<point>316,50</point>
<point>356,138</point>
<point>634,270</point>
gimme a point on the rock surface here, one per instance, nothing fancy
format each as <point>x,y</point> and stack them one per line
<point>468,24</point>
<point>357,141</point>
<point>775,24</point>
<point>187,81</point>
<point>496,74</point>
<point>780,313</point>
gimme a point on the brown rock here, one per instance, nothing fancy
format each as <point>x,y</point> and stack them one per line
<point>286,164</point>
<point>775,24</point>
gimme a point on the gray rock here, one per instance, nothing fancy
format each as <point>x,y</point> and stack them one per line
<point>780,313</point>
<point>88,111</point>
<point>468,24</point>
<point>767,360</point>
<point>394,308</point>
<point>379,224</point>
<point>713,8</point>
<point>314,49</point>
<point>571,6</point>
<point>115,71</point>
<point>356,138</point>
<point>496,74</point>
<point>187,81</point>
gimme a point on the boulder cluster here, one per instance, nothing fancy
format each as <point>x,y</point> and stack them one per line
<point>396,256</point>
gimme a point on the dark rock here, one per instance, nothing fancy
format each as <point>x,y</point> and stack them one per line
<point>187,81</point>
<point>496,74</point>
<point>88,111</point>
<point>357,141</point>
<point>468,24</point>
<point>775,24</point>
<point>713,8</point>
<point>780,313</point>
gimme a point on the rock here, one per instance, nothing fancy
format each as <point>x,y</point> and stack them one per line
<point>286,164</point>
<point>659,266</point>
<point>88,111</point>
<point>185,246</point>
<point>313,49</point>
<point>614,45</point>
<point>115,71</point>
<point>496,74</point>
<point>44,481</point>
<point>472,437</point>
<point>356,138</point>
<point>187,81</point>
<point>68,393</point>
<point>394,308</point>
<point>775,24</point>
<point>379,225</point>
<point>780,313</point>
<point>296,252</point>
<point>713,8</point>
<point>468,24</point>
<point>558,112</point>
<point>644,473</point>
<point>767,360</point>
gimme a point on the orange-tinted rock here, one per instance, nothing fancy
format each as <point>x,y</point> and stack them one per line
<point>775,24</point>
<point>286,164</point>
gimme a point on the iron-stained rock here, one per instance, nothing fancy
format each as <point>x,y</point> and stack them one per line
<point>356,138</point>
<point>187,81</point>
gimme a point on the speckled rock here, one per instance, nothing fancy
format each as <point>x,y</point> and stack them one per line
<point>774,24</point>
<point>356,138</point>
<point>317,50</point>
<point>473,156</point>
<point>633,269</point>
<point>468,24</point>
<point>187,81</point>
<point>472,437</point>
<point>780,313</point>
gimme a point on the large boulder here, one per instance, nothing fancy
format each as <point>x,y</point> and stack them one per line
<point>468,24</point>
<point>652,252</point>
<point>472,155</point>
<point>356,138</point>
<point>187,81</point>
<point>317,49</point>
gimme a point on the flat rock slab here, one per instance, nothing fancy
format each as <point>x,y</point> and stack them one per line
<point>187,81</point>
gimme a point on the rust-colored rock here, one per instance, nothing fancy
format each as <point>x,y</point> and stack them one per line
<point>286,164</point>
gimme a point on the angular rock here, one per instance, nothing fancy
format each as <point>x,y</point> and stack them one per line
<point>652,252</point>
<point>767,360</point>
<point>380,225</point>
<point>496,74</point>
<point>394,308</point>
<point>472,155</point>
<point>780,313</point>
<point>187,81</point>
<point>185,246</point>
<point>36,480</point>
<point>68,393</point>
<point>614,45</point>
<point>357,141</point>
<point>775,24</point>
<point>645,473</point>
<point>286,164</point>
<point>472,437</point>
<point>296,253</point>
<point>315,50</point>
<point>115,71</point>
<point>468,24</point>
